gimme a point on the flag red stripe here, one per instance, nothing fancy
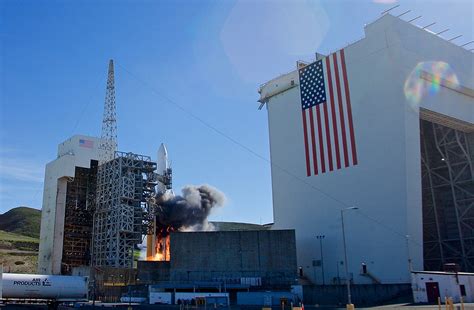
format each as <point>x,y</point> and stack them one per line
<point>308,171</point>
<point>341,111</point>
<point>313,142</point>
<point>333,112</point>
<point>328,135</point>
<point>349,108</point>
<point>320,139</point>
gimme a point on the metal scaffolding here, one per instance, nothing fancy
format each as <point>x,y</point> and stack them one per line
<point>447,160</point>
<point>80,203</point>
<point>124,187</point>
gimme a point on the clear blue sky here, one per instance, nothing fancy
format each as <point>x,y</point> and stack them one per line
<point>207,56</point>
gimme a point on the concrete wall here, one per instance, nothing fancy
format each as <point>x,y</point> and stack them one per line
<point>231,255</point>
<point>362,295</point>
<point>71,154</point>
<point>150,272</point>
<point>265,298</point>
<point>386,182</point>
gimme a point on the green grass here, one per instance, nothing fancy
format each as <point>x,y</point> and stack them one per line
<point>8,236</point>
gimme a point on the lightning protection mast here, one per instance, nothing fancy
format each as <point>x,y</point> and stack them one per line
<point>108,143</point>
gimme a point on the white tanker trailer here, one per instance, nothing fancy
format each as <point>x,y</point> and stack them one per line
<point>14,286</point>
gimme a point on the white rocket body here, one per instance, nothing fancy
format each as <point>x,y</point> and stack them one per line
<point>162,162</point>
<point>162,166</point>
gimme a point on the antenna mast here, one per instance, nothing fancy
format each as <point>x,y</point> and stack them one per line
<point>108,143</point>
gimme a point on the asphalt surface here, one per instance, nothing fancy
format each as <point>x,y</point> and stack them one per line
<point>467,306</point>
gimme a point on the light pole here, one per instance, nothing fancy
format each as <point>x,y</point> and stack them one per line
<point>130,282</point>
<point>410,267</point>
<point>348,282</point>
<point>320,238</point>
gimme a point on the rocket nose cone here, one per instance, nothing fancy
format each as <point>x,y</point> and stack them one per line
<point>162,150</point>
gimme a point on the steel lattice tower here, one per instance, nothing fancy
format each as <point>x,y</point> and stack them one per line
<point>108,144</point>
<point>125,182</point>
<point>124,185</point>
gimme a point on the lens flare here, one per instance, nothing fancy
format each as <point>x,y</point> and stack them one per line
<point>426,79</point>
<point>257,34</point>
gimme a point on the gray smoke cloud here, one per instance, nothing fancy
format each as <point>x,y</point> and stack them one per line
<point>189,211</point>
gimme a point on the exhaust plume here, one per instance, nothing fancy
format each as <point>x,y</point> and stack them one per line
<point>189,211</point>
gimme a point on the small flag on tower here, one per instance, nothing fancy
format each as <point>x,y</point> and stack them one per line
<point>86,143</point>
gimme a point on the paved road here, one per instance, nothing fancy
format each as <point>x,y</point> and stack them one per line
<point>469,306</point>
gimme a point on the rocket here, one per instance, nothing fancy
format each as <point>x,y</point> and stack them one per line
<point>162,163</point>
<point>163,169</point>
<point>164,177</point>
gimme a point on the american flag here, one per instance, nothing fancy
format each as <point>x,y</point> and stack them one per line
<point>329,138</point>
<point>86,143</point>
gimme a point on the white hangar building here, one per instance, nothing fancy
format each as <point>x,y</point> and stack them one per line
<point>68,197</point>
<point>385,125</point>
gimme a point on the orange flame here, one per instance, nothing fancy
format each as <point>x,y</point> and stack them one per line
<point>162,245</point>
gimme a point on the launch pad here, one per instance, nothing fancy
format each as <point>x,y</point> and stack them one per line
<point>99,203</point>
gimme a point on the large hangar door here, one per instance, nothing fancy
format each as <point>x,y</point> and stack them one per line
<point>447,162</point>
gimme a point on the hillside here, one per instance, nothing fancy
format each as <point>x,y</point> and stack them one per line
<point>8,236</point>
<point>22,220</point>
<point>235,226</point>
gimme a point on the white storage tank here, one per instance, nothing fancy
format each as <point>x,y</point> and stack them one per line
<point>34,286</point>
